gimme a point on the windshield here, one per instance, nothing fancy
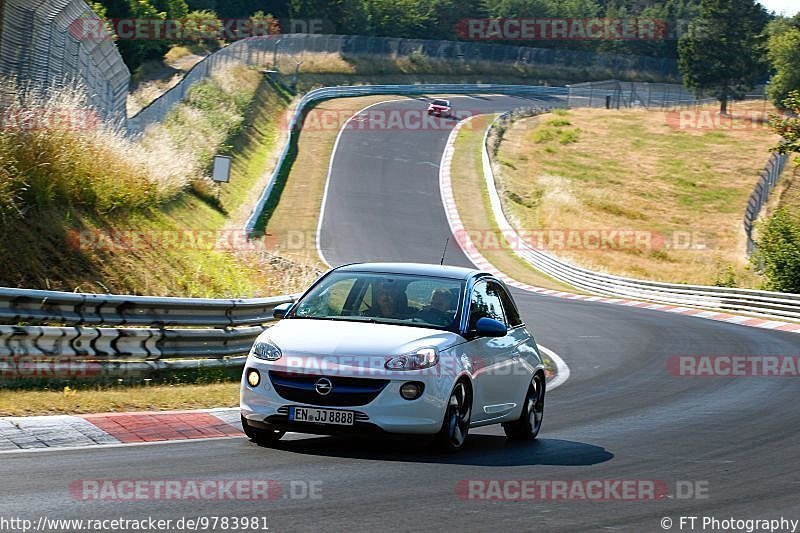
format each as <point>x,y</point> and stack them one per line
<point>443,103</point>
<point>410,300</point>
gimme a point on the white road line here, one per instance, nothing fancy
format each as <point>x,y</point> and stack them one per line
<point>562,370</point>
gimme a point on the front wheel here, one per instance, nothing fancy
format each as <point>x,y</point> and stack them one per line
<point>456,419</point>
<point>262,437</point>
<point>530,422</point>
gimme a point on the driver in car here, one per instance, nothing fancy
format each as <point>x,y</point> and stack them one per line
<point>389,301</point>
<point>438,311</point>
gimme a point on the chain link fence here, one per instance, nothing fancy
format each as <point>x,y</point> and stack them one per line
<point>38,50</point>
<point>267,51</point>
<point>767,179</point>
<point>356,45</point>
<point>615,94</point>
<point>253,52</point>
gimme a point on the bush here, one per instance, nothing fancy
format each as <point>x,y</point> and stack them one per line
<point>542,135</point>
<point>213,113</point>
<point>569,136</point>
<point>778,251</point>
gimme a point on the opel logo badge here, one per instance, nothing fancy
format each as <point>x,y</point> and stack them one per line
<point>323,386</point>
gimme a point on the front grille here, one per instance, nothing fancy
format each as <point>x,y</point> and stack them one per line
<point>346,391</point>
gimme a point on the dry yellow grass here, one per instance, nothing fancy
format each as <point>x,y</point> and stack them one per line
<point>152,398</point>
<point>639,171</point>
<point>469,189</point>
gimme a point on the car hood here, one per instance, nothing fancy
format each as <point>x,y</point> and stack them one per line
<point>310,338</point>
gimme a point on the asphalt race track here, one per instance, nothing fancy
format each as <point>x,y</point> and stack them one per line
<point>620,416</point>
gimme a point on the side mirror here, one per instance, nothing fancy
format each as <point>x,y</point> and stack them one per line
<point>280,310</point>
<point>489,327</point>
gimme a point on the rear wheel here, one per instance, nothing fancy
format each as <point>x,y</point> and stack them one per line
<point>262,437</point>
<point>456,419</point>
<point>530,422</point>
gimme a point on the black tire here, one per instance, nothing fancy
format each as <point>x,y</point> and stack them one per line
<point>457,416</point>
<point>530,422</point>
<point>262,437</point>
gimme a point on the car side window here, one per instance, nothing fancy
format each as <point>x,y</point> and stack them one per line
<point>485,303</point>
<point>509,307</point>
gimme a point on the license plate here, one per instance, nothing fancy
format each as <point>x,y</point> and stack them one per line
<point>321,416</point>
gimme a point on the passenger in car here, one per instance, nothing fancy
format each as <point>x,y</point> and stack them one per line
<point>438,311</point>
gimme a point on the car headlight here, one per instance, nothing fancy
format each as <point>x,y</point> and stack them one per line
<point>424,358</point>
<point>266,350</point>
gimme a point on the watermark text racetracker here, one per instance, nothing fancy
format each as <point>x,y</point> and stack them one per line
<point>379,119</point>
<point>20,365</point>
<point>599,490</point>
<point>555,239</point>
<point>713,523</point>
<point>731,366</point>
<point>191,28</point>
<point>706,119</point>
<point>586,239</point>
<point>232,240</point>
<point>149,523</point>
<point>375,365</point>
<point>27,119</point>
<point>133,490</point>
<point>568,29</point>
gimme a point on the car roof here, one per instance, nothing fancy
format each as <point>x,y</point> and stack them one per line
<point>420,269</point>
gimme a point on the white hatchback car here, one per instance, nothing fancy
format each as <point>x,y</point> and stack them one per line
<point>395,348</point>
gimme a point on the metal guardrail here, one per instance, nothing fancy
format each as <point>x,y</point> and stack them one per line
<point>766,182</point>
<point>41,307</point>
<point>170,326</point>
<point>763,303</point>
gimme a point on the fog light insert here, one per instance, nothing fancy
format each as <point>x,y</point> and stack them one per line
<point>253,378</point>
<point>412,390</point>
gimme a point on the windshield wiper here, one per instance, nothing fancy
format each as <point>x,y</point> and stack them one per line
<point>346,318</point>
<point>355,318</point>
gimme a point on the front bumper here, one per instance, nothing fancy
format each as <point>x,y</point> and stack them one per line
<point>388,412</point>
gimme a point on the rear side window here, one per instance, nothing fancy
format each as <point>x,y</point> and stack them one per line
<point>510,308</point>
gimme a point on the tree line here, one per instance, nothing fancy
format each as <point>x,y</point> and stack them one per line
<point>723,46</point>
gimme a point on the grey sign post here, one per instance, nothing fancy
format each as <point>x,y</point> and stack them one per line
<point>222,171</point>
